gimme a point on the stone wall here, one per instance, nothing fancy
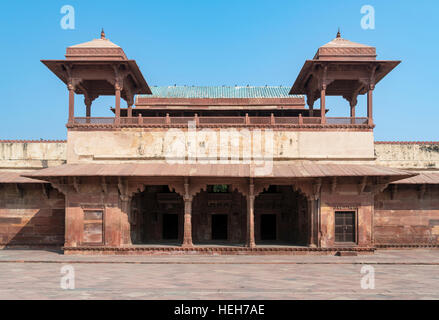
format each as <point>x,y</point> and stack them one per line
<point>346,198</point>
<point>95,215</point>
<point>140,145</point>
<point>405,155</point>
<point>31,216</point>
<point>27,155</point>
<point>407,214</point>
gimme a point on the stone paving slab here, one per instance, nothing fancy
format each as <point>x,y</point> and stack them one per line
<point>195,281</point>
<point>399,274</point>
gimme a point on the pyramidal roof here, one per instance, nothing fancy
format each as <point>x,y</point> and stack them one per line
<point>339,42</point>
<point>97,49</point>
<point>340,48</point>
<point>96,43</point>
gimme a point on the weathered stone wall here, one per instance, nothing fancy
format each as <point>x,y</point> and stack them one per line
<point>31,217</point>
<point>87,199</point>
<point>421,155</point>
<point>346,197</point>
<point>407,215</point>
<point>26,155</point>
<point>140,145</point>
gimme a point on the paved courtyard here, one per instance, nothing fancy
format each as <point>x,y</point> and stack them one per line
<point>399,274</point>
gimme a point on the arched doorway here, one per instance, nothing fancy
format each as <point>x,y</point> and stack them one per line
<point>157,216</point>
<point>219,216</point>
<point>281,217</point>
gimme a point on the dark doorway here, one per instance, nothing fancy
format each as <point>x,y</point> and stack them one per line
<point>282,216</point>
<point>268,227</point>
<point>219,227</point>
<point>170,226</point>
<point>345,226</point>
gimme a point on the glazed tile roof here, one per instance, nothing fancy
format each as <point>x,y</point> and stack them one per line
<point>216,92</point>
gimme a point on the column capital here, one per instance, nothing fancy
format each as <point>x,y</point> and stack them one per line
<point>118,85</point>
<point>72,83</point>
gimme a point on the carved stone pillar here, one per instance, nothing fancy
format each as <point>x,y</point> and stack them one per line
<point>126,220</point>
<point>187,233</point>
<point>323,103</point>
<point>130,111</point>
<point>352,104</point>
<point>313,222</point>
<point>251,215</point>
<point>314,211</point>
<point>87,102</point>
<point>369,105</point>
<point>118,88</point>
<point>71,88</point>
<point>310,103</point>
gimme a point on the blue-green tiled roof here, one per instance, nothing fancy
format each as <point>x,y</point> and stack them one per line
<point>221,92</point>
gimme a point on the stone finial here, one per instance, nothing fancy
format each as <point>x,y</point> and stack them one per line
<point>103,34</point>
<point>338,33</point>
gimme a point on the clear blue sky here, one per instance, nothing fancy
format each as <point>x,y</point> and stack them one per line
<point>218,43</point>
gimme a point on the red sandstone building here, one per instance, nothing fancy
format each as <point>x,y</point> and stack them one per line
<point>219,169</point>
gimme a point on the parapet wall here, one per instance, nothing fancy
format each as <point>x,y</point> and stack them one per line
<point>408,155</point>
<point>29,155</point>
<point>157,144</point>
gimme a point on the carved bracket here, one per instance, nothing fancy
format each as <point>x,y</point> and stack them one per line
<point>378,188</point>
<point>333,185</point>
<point>122,185</point>
<point>75,184</point>
<point>45,188</point>
<point>393,191</point>
<point>104,186</point>
<point>317,186</point>
<point>422,190</point>
<point>60,186</point>
<point>362,185</point>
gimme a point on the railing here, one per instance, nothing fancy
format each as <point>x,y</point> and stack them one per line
<point>348,120</point>
<point>230,121</point>
<point>94,120</point>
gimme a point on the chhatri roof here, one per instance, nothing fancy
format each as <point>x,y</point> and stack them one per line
<point>96,64</point>
<point>340,48</point>
<point>219,92</point>
<point>340,42</point>
<point>97,43</point>
<point>347,63</point>
<point>96,49</point>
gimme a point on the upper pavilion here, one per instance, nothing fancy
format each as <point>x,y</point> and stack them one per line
<point>342,68</point>
<point>339,68</point>
<point>99,67</point>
